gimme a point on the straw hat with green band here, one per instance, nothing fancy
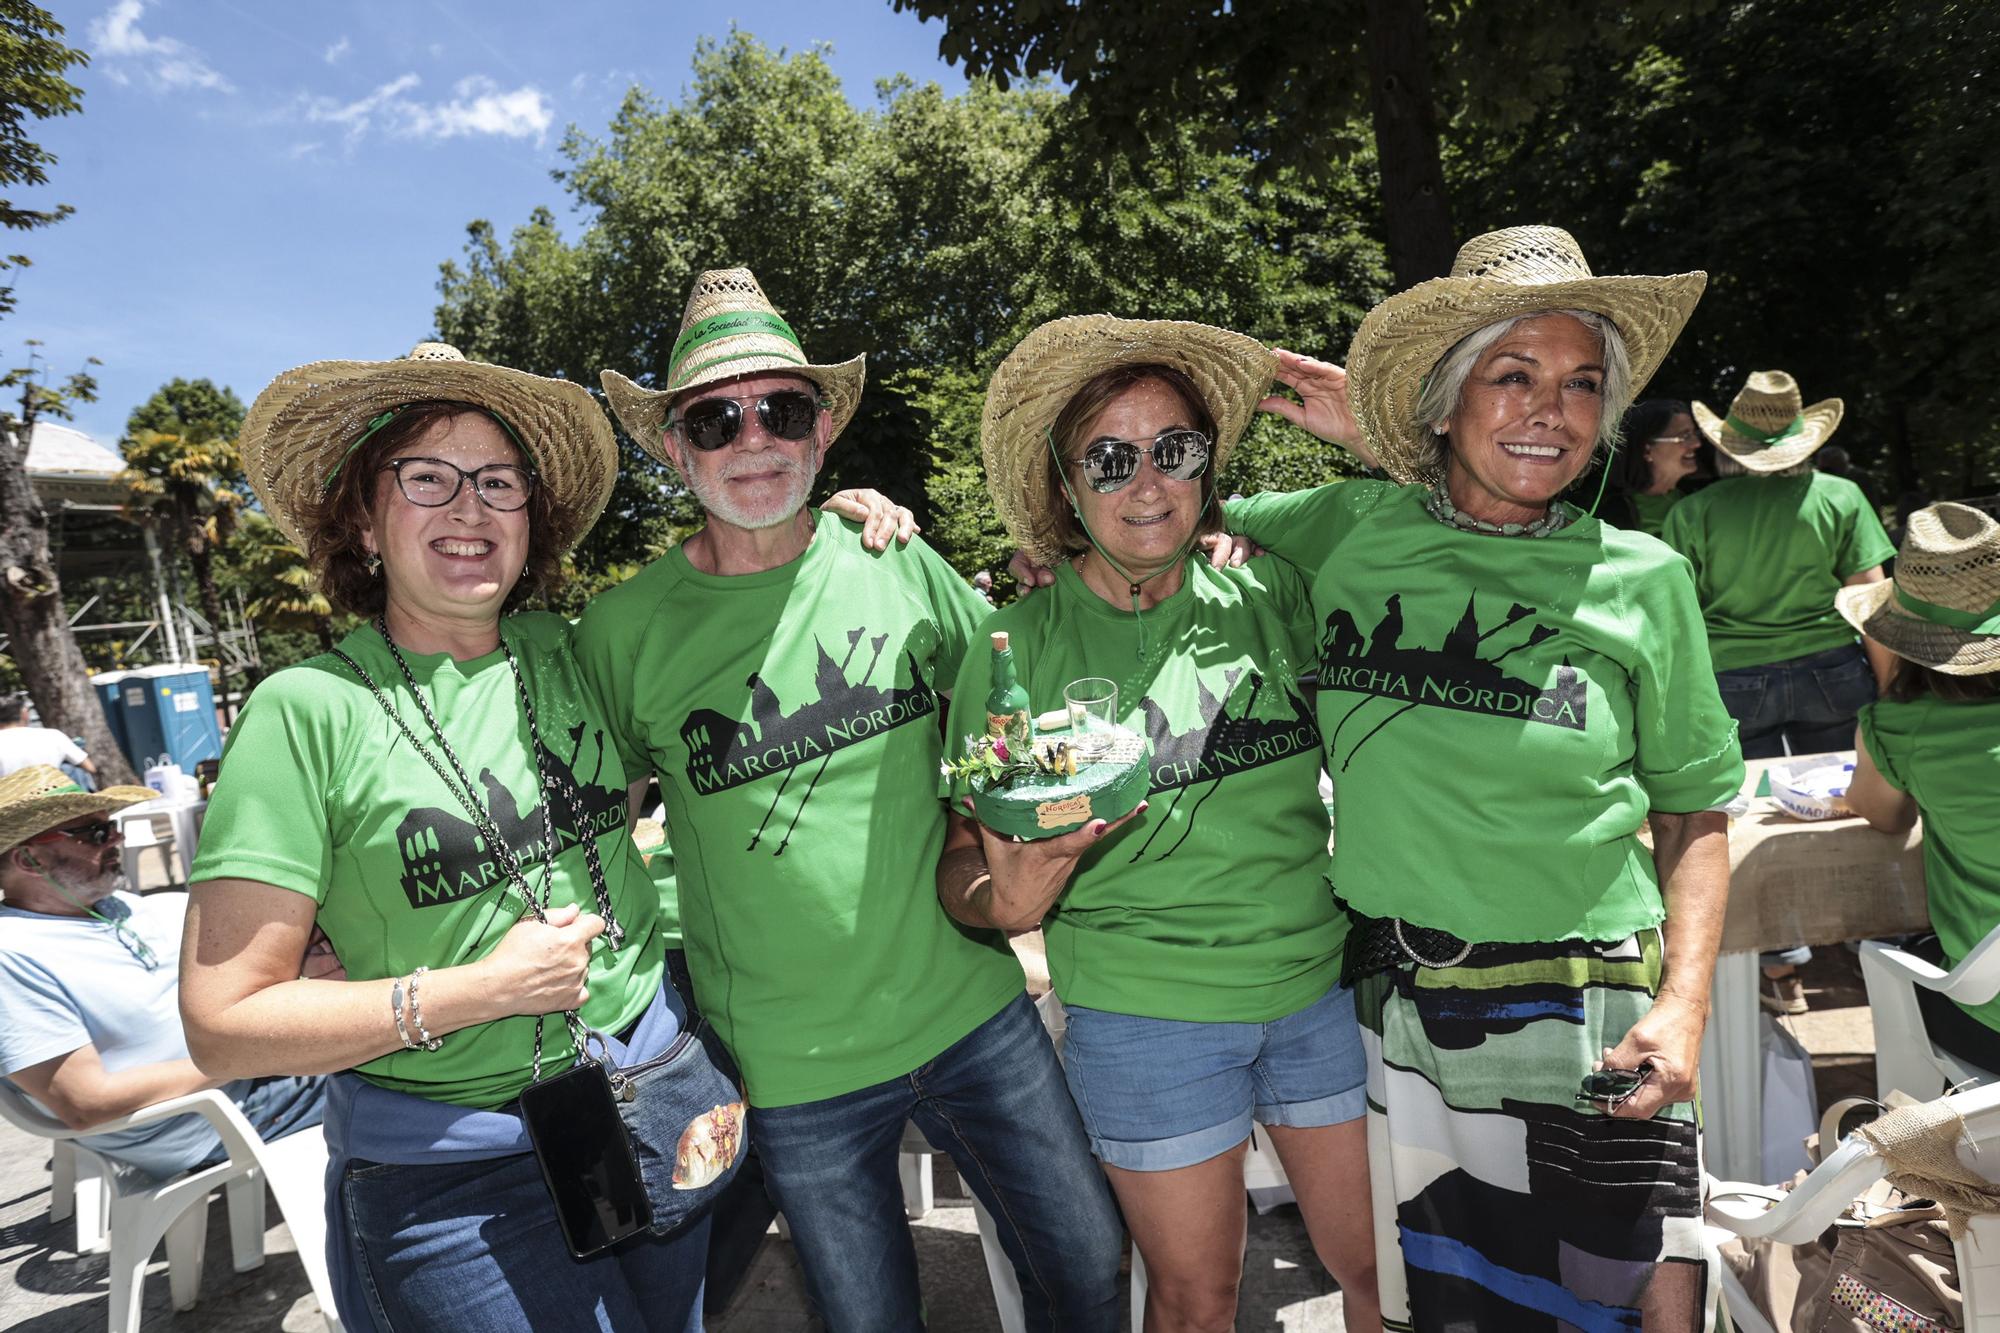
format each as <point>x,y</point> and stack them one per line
<point>730,329</point>
<point>35,799</point>
<point>1942,610</point>
<point>309,422</point>
<point>1767,430</point>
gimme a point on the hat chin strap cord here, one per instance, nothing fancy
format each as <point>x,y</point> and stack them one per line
<point>1135,582</point>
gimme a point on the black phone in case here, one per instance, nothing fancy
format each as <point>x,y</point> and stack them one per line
<point>586,1158</point>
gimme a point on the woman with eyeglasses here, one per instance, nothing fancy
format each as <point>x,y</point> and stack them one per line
<point>439,795</point>
<point>1657,448</point>
<point>1194,943</point>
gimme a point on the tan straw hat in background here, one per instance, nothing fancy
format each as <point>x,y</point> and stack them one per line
<point>1942,610</point>
<point>307,422</point>
<point>1766,430</point>
<point>1502,274</point>
<point>1041,375</point>
<point>730,328</point>
<point>35,799</point>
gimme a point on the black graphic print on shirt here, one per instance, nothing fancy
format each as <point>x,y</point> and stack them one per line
<point>1227,738</point>
<point>444,857</point>
<point>1463,673</point>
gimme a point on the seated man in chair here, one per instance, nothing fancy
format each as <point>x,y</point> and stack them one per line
<point>90,1023</point>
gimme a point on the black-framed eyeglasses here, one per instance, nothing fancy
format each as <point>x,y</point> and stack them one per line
<point>710,423</point>
<point>1612,1088</point>
<point>434,483</point>
<point>1110,465</point>
<point>96,833</point>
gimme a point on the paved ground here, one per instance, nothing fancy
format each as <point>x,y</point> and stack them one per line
<point>45,1287</point>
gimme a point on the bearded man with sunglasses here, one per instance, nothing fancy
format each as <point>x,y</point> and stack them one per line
<point>786,685</point>
<point>90,1023</point>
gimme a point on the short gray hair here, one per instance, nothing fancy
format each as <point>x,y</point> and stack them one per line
<point>1438,399</point>
<point>1727,466</point>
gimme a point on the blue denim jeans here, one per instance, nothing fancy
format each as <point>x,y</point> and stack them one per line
<point>1805,705</point>
<point>475,1247</point>
<point>995,1101</point>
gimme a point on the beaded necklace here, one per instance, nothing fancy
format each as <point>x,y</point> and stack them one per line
<point>1440,507</point>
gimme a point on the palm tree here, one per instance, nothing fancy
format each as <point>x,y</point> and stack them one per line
<point>185,484</point>
<point>285,596</point>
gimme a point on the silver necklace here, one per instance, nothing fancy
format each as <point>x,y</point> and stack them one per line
<point>1440,507</point>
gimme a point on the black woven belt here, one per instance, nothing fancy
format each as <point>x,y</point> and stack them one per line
<point>1383,944</point>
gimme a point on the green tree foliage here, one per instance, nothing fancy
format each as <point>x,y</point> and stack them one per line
<point>1830,165</point>
<point>195,408</point>
<point>33,63</point>
<point>929,232</point>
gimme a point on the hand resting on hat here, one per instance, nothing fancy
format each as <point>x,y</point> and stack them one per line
<point>1323,408</point>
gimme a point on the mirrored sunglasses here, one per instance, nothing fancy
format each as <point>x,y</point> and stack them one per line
<point>434,483</point>
<point>787,414</point>
<point>1110,465</point>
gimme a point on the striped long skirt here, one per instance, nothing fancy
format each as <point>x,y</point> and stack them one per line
<point>1501,1203</point>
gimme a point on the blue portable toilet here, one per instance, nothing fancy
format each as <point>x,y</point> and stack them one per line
<point>170,712</point>
<point>106,684</point>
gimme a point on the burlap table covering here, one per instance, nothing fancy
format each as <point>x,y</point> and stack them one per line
<point>1795,881</point>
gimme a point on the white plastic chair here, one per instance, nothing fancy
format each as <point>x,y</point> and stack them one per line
<point>1905,1057</point>
<point>141,1214</point>
<point>142,833</point>
<point>1759,1212</point>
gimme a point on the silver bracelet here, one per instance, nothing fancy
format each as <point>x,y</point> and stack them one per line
<point>396,1008</point>
<point>424,1037</point>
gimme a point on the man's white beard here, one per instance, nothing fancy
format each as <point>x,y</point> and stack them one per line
<point>715,498</point>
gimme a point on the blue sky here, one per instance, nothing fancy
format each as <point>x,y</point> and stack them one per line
<point>261,184</point>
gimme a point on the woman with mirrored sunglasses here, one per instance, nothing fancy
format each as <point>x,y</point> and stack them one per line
<point>1194,943</point>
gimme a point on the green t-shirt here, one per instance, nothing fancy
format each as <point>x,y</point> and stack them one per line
<point>1213,906</point>
<point>792,716</point>
<point>1500,712</point>
<point>1947,756</point>
<point>1649,512</point>
<point>320,793</point>
<point>1769,553</point>
<point>660,867</point>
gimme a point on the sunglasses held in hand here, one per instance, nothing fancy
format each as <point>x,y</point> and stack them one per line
<point>1614,1087</point>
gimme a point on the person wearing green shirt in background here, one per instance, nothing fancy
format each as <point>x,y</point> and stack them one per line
<point>1771,542</point>
<point>1931,744</point>
<point>1508,689</point>
<point>1658,447</point>
<point>785,683</point>
<point>1195,944</point>
<point>470,911</point>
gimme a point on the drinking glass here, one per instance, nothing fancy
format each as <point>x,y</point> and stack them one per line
<point>1093,712</point>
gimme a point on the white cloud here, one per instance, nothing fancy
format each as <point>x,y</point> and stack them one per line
<point>479,106</point>
<point>338,49</point>
<point>169,65</point>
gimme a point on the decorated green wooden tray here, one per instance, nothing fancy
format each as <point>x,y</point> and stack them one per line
<point>1042,797</point>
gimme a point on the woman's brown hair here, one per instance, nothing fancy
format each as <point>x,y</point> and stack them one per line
<point>1914,680</point>
<point>1091,398</point>
<point>337,554</point>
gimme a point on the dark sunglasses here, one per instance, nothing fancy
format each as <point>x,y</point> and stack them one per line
<point>1110,465</point>
<point>97,833</point>
<point>1613,1087</point>
<point>434,483</point>
<point>709,424</point>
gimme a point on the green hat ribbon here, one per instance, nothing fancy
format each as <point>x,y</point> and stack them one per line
<point>1766,438</point>
<point>729,324</point>
<point>1972,622</point>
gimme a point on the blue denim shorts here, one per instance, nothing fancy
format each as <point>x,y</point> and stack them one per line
<point>1158,1094</point>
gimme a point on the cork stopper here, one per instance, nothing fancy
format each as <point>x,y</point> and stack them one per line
<point>999,640</point>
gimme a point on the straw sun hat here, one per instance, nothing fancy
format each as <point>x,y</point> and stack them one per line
<point>1766,429</point>
<point>1039,377</point>
<point>730,328</point>
<point>307,422</point>
<point>1942,610</point>
<point>35,799</point>
<point>1503,274</point>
